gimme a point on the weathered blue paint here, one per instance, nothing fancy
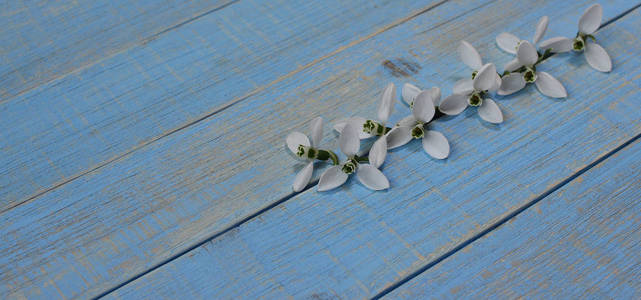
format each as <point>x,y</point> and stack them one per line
<point>140,210</point>
<point>580,242</point>
<point>356,243</point>
<point>81,121</point>
<point>46,40</point>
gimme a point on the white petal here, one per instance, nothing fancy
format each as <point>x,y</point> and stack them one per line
<point>541,27</point>
<point>387,103</point>
<point>295,139</point>
<point>490,111</point>
<point>358,121</point>
<point>512,65</point>
<point>398,136</point>
<point>549,86</point>
<point>317,131</point>
<point>497,83</point>
<point>378,152</point>
<point>349,141</point>
<point>331,179</point>
<point>436,145</point>
<point>372,177</point>
<point>512,83</point>
<point>423,109</point>
<point>591,19</point>
<point>485,78</point>
<point>558,44</point>
<point>464,86</point>
<point>303,177</point>
<point>469,55</point>
<point>407,121</point>
<point>527,54</point>
<point>597,57</point>
<point>454,104</point>
<point>436,95</point>
<point>508,42</point>
<point>409,92</point>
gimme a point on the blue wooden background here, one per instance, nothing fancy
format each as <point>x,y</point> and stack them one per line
<point>142,156</point>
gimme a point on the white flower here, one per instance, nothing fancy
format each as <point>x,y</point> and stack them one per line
<point>301,146</point>
<point>473,95</point>
<point>510,43</point>
<point>368,127</point>
<point>410,91</point>
<point>413,126</point>
<point>368,174</point>
<point>584,41</point>
<point>524,71</point>
<point>472,59</point>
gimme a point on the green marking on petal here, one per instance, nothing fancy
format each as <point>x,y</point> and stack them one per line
<point>578,44</point>
<point>373,128</point>
<point>529,75</point>
<point>418,132</point>
<point>349,167</point>
<point>474,74</point>
<point>475,99</point>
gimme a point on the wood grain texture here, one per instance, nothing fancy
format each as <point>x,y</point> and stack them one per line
<point>581,242</point>
<point>83,227</point>
<point>353,243</point>
<point>80,122</point>
<point>45,40</point>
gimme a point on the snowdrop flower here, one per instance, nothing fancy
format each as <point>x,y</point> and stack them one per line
<point>510,43</point>
<point>474,96</point>
<point>596,56</point>
<point>472,59</point>
<point>410,91</point>
<point>524,71</point>
<point>368,174</point>
<point>413,126</point>
<point>301,146</point>
<point>369,127</point>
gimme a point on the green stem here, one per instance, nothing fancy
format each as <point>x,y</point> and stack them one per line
<point>324,155</point>
<point>362,159</point>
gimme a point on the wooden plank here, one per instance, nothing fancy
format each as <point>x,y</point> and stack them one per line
<point>582,241</point>
<point>44,40</point>
<point>351,242</point>
<point>58,132</point>
<point>94,231</point>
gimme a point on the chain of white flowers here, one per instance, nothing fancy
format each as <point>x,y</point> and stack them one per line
<point>415,124</point>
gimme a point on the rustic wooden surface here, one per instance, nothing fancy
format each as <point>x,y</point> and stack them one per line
<point>142,153</point>
<point>582,241</point>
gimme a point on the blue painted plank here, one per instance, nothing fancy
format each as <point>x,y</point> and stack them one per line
<point>354,243</point>
<point>80,122</point>
<point>126,229</point>
<point>153,203</point>
<point>582,241</point>
<point>44,40</point>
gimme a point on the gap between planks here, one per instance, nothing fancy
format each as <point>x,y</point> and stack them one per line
<point>503,220</point>
<point>228,104</point>
<point>437,260</point>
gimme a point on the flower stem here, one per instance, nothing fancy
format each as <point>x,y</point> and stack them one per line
<point>324,155</point>
<point>362,159</point>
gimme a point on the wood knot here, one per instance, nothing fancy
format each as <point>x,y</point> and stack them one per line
<point>400,67</point>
